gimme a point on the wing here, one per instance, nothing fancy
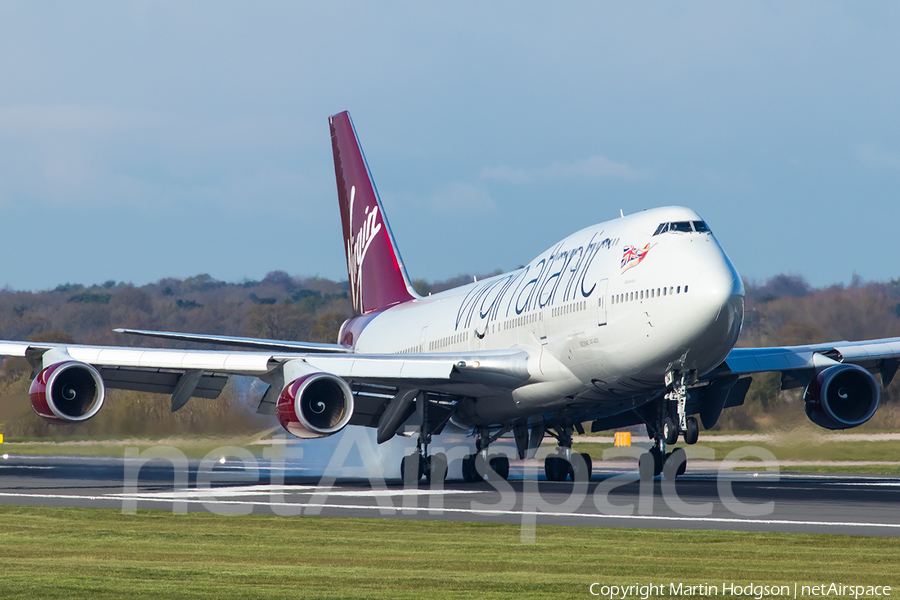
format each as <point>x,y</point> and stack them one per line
<point>799,364</point>
<point>203,373</point>
<point>258,344</point>
<point>841,389</point>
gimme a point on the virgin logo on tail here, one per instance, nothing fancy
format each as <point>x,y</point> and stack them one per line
<point>358,246</point>
<point>377,277</point>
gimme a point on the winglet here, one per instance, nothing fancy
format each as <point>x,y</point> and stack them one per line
<point>378,278</point>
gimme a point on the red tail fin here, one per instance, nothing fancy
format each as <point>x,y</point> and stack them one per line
<point>377,276</point>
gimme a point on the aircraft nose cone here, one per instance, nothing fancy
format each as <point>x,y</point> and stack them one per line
<point>722,296</point>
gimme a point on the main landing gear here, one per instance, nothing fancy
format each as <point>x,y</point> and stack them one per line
<point>565,464</point>
<point>420,463</point>
<point>473,465</point>
<point>670,422</point>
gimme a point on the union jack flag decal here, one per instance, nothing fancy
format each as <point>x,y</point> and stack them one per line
<point>632,256</point>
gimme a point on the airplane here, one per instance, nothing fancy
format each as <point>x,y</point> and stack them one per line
<point>628,322</point>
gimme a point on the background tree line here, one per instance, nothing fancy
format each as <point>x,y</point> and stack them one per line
<point>784,310</point>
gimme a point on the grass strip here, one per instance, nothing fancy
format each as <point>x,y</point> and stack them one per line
<point>863,450</point>
<point>95,553</point>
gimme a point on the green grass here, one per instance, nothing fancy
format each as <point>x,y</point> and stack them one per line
<point>97,553</point>
<point>196,447</point>
<point>864,451</point>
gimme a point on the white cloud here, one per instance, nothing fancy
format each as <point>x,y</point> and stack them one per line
<point>588,168</point>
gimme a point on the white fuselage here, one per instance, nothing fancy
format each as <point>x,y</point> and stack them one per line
<point>603,315</point>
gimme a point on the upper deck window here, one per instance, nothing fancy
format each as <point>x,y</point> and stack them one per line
<point>683,227</point>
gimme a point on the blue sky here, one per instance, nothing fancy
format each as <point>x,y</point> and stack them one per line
<point>151,139</point>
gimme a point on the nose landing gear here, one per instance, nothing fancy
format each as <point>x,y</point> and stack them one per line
<point>672,420</point>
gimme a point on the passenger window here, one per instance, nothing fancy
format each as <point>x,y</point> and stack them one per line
<point>679,289</point>
<point>685,289</point>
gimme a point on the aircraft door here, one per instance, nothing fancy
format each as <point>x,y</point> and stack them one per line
<point>601,301</point>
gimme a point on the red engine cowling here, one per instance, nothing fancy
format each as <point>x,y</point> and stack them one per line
<point>67,392</point>
<point>841,397</point>
<point>315,405</point>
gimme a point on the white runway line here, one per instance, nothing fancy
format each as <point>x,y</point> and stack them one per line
<point>263,490</point>
<point>387,510</point>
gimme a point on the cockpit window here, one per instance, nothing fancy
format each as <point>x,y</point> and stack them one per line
<point>683,227</point>
<point>701,227</point>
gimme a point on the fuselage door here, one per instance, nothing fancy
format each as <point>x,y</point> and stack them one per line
<point>601,301</point>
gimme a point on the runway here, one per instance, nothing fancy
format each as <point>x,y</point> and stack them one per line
<point>743,501</point>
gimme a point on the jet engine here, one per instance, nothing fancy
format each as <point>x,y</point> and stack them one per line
<point>841,397</point>
<point>67,392</point>
<point>315,405</point>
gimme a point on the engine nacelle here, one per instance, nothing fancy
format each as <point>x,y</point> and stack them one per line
<point>841,397</point>
<point>315,405</point>
<point>67,392</point>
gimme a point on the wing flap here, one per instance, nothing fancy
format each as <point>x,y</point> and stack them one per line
<point>158,381</point>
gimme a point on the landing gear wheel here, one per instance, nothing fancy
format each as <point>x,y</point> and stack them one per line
<point>646,466</point>
<point>555,468</point>
<point>500,465</point>
<point>469,472</point>
<point>682,464</point>
<point>657,461</point>
<point>412,468</point>
<point>581,469</point>
<point>691,431</point>
<point>437,468</point>
<point>675,464</point>
<point>670,430</point>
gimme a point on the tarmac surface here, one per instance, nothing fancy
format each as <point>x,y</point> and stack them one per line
<point>706,497</point>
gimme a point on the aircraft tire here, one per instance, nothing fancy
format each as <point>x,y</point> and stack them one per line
<point>646,466</point>
<point>411,468</point>
<point>692,431</point>
<point>676,463</point>
<point>469,472</point>
<point>682,467</point>
<point>670,430</point>
<point>500,465</point>
<point>438,468</point>
<point>580,470</point>
<point>588,463</point>
<point>657,461</point>
<point>555,468</point>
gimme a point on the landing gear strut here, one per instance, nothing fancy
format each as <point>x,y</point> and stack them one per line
<point>498,463</point>
<point>670,422</point>
<point>564,464</point>
<point>420,462</point>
